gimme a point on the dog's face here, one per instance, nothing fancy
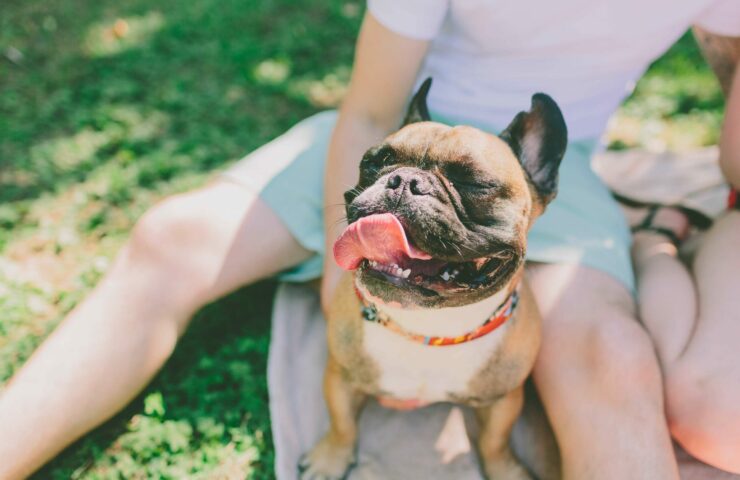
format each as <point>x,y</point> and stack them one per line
<point>440,214</point>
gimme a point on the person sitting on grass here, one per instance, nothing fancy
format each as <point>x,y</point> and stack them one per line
<point>606,394</point>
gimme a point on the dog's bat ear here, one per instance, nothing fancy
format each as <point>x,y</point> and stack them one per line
<point>418,111</point>
<point>539,138</point>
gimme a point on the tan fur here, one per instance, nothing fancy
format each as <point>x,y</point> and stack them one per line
<point>510,365</point>
<point>495,388</point>
<point>345,335</point>
<point>496,421</point>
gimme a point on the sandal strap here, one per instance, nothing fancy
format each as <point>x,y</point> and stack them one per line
<point>672,237</point>
<point>647,221</point>
<point>696,218</point>
<point>646,225</point>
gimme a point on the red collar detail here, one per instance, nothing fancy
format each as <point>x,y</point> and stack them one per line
<point>503,313</point>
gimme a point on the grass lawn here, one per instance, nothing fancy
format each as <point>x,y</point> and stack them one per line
<point>107,106</point>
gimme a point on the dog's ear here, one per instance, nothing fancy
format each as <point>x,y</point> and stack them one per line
<point>538,138</point>
<point>418,111</point>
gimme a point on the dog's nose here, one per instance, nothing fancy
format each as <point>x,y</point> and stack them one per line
<point>416,180</point>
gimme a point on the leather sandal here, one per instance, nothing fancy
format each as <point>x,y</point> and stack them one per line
<point>696,219</point>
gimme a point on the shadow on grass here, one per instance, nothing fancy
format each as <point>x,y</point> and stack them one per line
<point>207,408</point>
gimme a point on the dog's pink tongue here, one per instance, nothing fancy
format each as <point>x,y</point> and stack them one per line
<point>377,237</point>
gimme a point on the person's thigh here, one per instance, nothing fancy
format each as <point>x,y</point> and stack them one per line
<point>703,386</point>
<point>598,377</point>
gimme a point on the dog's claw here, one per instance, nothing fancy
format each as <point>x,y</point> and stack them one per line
<point>507,469</point>
<point>303,463</point>
<point>326,462</point>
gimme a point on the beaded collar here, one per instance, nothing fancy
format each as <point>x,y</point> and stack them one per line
<point>503,313</point>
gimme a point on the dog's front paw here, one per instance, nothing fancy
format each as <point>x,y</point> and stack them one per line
<point>507,468</point>
<point>326,461</point>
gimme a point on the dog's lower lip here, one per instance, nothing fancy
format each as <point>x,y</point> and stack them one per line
<point>400,282</point>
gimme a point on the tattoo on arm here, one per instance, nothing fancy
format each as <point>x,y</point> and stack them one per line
<point>722,54</point>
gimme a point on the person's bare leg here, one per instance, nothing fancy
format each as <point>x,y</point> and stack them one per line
<point>666,295</point>
<point>703,385</point>
<point>185,252</point>
<point>598,378</point>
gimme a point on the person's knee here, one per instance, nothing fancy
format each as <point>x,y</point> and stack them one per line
<point>165,243</point>
<point>703,409</point>
<point>604,350</point>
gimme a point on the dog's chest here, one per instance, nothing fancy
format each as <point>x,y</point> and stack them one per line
<point>412,370</point>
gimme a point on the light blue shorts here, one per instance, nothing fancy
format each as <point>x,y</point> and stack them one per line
<point>583,225</point>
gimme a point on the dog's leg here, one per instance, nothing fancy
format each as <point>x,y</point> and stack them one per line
<point>334,454</point>
<point>532,439</point>
<point>496,421</point>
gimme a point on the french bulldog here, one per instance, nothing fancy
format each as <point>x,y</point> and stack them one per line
<point>434,305</point>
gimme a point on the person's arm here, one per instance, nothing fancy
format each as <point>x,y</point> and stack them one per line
<point>723,55</point>
<point>385,68</point>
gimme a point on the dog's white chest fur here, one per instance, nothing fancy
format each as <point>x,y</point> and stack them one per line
<point>411,370</point>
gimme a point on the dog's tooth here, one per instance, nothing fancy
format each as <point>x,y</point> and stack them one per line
<point>445,276</point>
<point>406,273</point>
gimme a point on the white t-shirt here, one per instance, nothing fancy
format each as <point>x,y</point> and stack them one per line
<point>488,57</point>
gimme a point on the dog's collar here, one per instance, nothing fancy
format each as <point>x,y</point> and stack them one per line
<point>500,316</point>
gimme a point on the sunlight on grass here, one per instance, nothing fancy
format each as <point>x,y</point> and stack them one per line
<point>324,92</point>
<point>272,72</point>
<point>77,154</point>
<point>658,134</point>
<point>676,106</point>
<point>20,302</point>
<point>153,441</point>
<point>113,37</point>
<point>70,152</point>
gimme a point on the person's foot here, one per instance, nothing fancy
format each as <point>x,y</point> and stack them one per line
<point>656,230</point>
